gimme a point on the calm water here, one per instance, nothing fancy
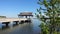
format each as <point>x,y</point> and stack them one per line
<point>26,28</point>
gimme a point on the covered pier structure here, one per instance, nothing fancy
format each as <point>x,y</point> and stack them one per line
<point>26,14</point>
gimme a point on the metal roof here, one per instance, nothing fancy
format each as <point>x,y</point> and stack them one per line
<point>25,14</point>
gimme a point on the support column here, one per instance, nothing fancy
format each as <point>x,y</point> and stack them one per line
<point>6,23</point>
<point>16,22</point>
<point>22,21</point>
<point>28,21</point>
<point>26,16</point>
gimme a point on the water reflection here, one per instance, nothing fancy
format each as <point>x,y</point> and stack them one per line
<point>4,27</point>
<point>26,28</point>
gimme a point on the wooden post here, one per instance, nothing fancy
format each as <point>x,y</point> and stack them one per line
<point>6,23</point>
<point>26,16</point>
<point>16,22</point>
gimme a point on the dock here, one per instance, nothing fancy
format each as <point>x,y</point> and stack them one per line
<point>15,20</point>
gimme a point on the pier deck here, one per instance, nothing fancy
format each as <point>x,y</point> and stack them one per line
<point>16,20</point>
<point>11,19</point>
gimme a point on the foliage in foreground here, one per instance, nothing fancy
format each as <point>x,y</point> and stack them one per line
<point>49,16</point>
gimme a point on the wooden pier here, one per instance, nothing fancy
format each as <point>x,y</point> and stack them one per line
<point>15,20</point>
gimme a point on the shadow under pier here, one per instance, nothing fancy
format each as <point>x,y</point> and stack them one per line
<point>6,23</point>
<point>16,22</point>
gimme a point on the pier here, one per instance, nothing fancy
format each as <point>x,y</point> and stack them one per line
<point>6,21</point>
<point>17,20</point>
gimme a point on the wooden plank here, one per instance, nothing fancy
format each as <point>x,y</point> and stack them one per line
<point>11,19</point>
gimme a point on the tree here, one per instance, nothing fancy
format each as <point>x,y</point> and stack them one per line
<point>52,10</point>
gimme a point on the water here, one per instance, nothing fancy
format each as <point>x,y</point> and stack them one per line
<point>26,28</point>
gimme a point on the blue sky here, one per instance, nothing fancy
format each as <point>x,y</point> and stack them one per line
<point>11,8</point>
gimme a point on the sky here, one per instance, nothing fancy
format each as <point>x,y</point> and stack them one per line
<point>11,8</point>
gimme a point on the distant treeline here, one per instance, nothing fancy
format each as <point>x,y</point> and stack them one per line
<point>2,16</point>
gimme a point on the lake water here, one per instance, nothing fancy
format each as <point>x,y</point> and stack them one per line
<point>26,28</point>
